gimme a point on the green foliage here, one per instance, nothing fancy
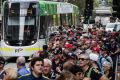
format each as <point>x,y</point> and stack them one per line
<point>109,2</point>
<point>96,3</point>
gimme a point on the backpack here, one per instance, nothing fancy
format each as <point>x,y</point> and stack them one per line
<point>105,59</point>
<point>100,66</point>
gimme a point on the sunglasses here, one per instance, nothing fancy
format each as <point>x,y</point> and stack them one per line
<point>82,59</point>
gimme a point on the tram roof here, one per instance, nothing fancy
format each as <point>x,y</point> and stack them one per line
<point>51,8</point>
<point>23,0</point>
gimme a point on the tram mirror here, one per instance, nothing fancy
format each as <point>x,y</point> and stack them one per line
<point>13,12</point>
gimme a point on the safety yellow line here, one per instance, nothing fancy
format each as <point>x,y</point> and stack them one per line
<point>25,49</point>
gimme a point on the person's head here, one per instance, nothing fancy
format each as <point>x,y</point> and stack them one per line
<point>77,52</point>
<point>36,65</point>
<point>106,66</point>
<point>20,61</point>
<point>93,59</point>
<point>71,56</point>
<point>77,72</point>
<point>66,75</point>
<point>2,63</point>
<point>50,45</point>
<point>67,65</point>
<point>84,59</point>
<point>68,46</point>
<point>112,41</point>
<point>45,47</point>
<point>47,66</point>
<point>10,74</point>
<point>103,52</point>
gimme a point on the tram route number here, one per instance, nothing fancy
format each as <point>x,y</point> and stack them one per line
<point>18,50</point>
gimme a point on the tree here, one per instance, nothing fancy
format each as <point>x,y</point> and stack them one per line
<point>109,2</point>
<point>96,3</point>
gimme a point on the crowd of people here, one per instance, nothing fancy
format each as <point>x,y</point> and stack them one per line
<point>71,54</point>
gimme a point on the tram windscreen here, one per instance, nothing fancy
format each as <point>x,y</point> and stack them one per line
<point>20,22</point>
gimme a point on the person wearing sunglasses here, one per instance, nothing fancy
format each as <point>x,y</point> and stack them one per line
<point>90,73</point>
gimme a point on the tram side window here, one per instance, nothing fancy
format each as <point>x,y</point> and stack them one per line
<point>63,19</point>
<point>42,30</point>
<point>70,18</point>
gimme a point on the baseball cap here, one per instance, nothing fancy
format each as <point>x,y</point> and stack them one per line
<point>96,49</point>
<point>2,60</point>
<point>68,46</point>
<point>71,56</point>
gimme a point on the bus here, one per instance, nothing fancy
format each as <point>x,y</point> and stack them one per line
<point>26,24</point>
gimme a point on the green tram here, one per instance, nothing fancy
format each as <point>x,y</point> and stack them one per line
<point>55,14</point>
<point>27,24</point>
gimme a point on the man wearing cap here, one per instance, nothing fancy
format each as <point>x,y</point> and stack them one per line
<point>2,63</point>
<point>71,57</point>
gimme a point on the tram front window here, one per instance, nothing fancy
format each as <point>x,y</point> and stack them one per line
<point>21,24</point>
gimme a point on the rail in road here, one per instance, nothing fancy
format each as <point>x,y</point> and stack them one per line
<point>117,75</point>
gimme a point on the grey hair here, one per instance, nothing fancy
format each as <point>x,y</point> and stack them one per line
<point>21,60</point>
<point>107,63</point>
<point>48,61</point>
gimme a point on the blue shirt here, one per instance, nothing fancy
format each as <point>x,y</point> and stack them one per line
<point>23,71</point>
<point>100,62</point>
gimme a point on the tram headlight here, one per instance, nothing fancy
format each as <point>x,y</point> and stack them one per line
<point>32,42</point>
<point>7,42</point>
